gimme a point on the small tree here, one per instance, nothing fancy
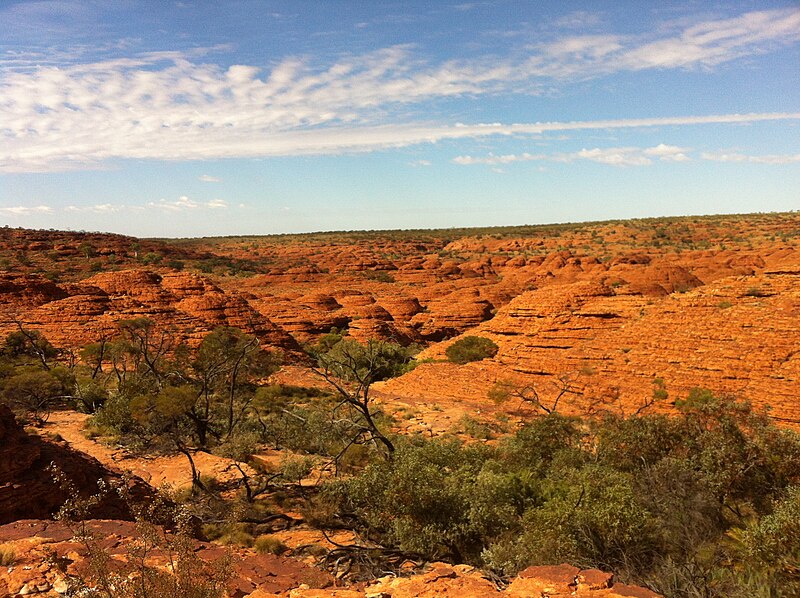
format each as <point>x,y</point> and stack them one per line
<point>34,391</point>
<point>30,343</point>
<point>351,368</point>
<point>547,402</point>
<point>87,250</point>
<point>30,379</point>
<point>165,417</point>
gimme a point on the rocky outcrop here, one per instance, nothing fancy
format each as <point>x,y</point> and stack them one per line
<point>75,314</point>
<point>47,554</point>
<point>452,314</point>
<point>27,488</point>
<point>738,335</point>
<point>35,571</point>
<point>464,581</point>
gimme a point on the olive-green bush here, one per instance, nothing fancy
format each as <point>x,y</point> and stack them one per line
<point>703,503</point>
<point>471,348</point>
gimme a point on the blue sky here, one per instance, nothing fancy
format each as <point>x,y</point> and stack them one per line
<point>159,118</point>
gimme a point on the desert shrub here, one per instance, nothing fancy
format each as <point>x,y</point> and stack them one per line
<point>418,500</point>
<point>471,348</point>
<point>114,419</point>
<point>90,396</point>
<point>379,276</point>
<point>8,555</point>
<point>629,444</point>
<point>34,391</point>
<point>591,517</point>
<point>774,542</point>
<point>236,537</point>
<point>151,258</point>
<point>703,503</point>
<point>267,543</point>
<point>538,444</point>
<point>296,469</point>
<point>474,428</point>
<point>184,575</point>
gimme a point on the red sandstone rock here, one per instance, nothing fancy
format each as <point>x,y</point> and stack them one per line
<point>73,315</point>
<point>594,579</point>
<point>34,540</point>
<point>27,489</point>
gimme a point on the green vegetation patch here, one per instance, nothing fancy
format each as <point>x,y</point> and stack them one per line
<point>471,348</point>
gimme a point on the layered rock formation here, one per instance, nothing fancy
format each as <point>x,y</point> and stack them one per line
<point>739,335</point>
<point>583,301</point>
<point>74,314</point>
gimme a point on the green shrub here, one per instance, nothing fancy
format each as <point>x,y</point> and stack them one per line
<point>774,541</point>
<point>236,534</point>
<point>471,348</point>
<point>296,469</point>
<point>474,428</point>
<point>591,518</point>
<point>266,543</point>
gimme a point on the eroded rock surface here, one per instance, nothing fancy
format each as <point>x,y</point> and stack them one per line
<point>75,314</point>
<point>36,542</point>
<point>27,488</point>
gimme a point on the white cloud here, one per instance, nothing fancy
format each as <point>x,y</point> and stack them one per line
<point>736,157</point>
<point>417,163</point>
<point>579,19</point>
<point>668,153</point>
<point>169,106</point>
<point>180,204</point>
<point>714,42</point>
<point>184,203</point>
<point>491,159</point>
<point>26,210</point>
<point>613,156</point>
<point>104,208</point>
<point>628,156</point>
<point>207,178</point>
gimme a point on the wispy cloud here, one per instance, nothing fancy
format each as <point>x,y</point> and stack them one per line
<point>669,153</point>
<point>714,42</point>
<point>736,157</point>
<point>206,178</point>
<point>26,210</point>
<point>491,159</point>
<point>613,156</point>
<point>184,203</point>
<point>171,106</point>
<point>579,19</point>
<point>103,208</point>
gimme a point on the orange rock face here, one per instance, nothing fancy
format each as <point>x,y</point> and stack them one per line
<point>608,307</point>
<point>75,314</point>
<point>737,335</point>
